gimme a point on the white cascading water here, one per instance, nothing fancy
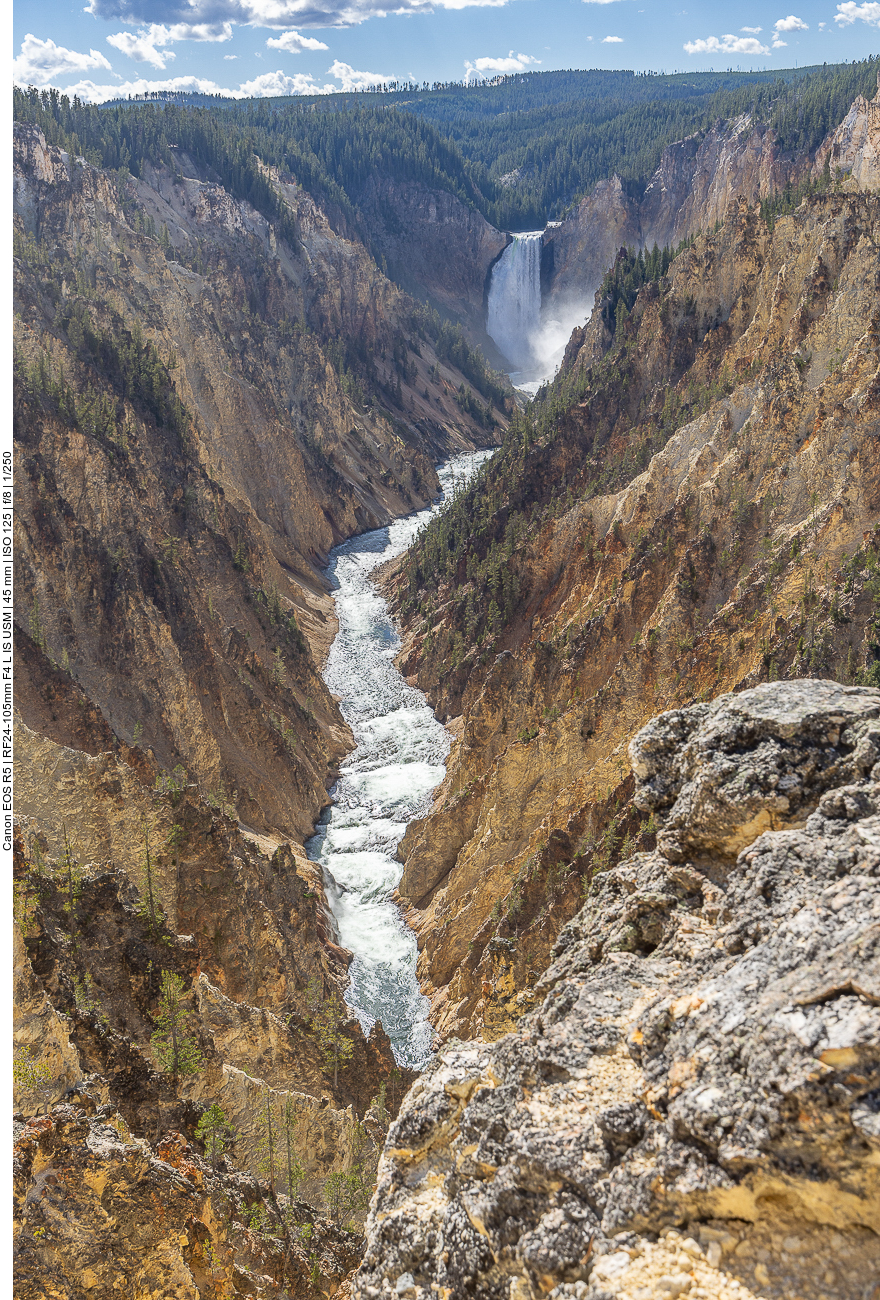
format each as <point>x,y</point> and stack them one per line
<point>514,317</point>
<point>531,339</point>
<point>383,784</point>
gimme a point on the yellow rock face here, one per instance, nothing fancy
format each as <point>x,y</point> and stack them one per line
<point>719,565</point>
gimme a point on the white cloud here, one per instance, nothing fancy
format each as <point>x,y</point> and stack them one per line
<point>726,45</point>
<point>778,44</point>
<point>604,2</point>
<point>269,83</point>
<point>501,67</point>
<point>791,24</point>
<point>293,43</point>
<point>352,80</point>
<point>278,14</point>
<point>229,58</point>
<point>754,31</point>
<point>612,40</point>
<point>144,45</point>
<point>279,83</point>
<point>849,12</point>
<point>43,61</point>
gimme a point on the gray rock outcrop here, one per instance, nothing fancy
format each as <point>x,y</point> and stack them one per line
<point>694,1108</point>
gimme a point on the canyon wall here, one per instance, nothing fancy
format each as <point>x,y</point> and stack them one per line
<point>433,243</point>
<point>203,409</point>
<point>170,559</point>
<point>693,188</point>
<point>696,513</point>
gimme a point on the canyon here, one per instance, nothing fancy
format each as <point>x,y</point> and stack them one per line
<point>668,1077</point>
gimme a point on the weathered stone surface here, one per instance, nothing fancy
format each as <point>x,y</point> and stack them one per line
<point>725,771</point>
<point>706,1056</point>
<point>39,1030</point>
<point>99,1213</point>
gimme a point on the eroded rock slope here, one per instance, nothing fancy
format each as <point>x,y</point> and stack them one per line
<point>694,1106</point>
<point>691,510</point>
<point>694,186</point>
<point>99,1212</point>
<point>203,410</point>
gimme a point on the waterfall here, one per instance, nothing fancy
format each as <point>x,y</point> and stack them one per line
<point>514,317</point>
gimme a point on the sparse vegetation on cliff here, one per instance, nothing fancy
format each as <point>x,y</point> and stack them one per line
<point>666,513</point>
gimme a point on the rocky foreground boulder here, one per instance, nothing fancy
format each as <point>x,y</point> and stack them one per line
<point>694,1108</point>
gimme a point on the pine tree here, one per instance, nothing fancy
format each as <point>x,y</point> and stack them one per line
<point>294,1171</point>
<point>175,1047</point>
<point>336,1049</point>
<point>379,1107</point>
<point>268,1142</point>
<point>149,906</point>
<point>215,1133</point>
<point>72,875</point>
<point>348,1192</point>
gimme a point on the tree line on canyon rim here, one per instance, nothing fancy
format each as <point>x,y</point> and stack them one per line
<point>520,152</point>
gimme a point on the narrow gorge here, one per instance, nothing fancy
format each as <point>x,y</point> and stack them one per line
<point>447,663</point>
<point>384,783</point>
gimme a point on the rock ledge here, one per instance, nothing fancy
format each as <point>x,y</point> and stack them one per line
<point>694,1108</point>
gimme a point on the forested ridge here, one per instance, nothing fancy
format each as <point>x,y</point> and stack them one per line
<point>520,152</point>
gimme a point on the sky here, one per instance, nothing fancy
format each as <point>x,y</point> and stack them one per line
<point>244,48</point>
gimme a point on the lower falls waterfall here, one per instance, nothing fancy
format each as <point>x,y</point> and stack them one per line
<point>514,317</point>
<point>532,340</point>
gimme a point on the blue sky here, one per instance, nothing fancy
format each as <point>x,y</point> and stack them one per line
<point>261,47</point>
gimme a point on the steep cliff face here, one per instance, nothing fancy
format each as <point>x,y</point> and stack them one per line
<point>432,243</point>
<point>701,519</point>
<point>97,1211</point>
<point>692,1109</point>
<point>193,436</point>
<point>578,251</point>
<point>854,149</point>
<point>693,188</point>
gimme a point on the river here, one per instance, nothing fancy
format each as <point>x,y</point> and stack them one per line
<point>383,784</point>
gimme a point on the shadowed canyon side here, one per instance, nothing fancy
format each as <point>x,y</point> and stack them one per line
<point>691,508</point>
<point>204,407</point>
<point>692,1107</point>
<point>170,539</point>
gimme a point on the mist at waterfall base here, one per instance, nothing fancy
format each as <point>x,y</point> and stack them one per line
<point>532,337</point>
<point>383,784</point>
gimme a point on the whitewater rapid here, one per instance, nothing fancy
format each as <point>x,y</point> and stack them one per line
<point>383,784</point>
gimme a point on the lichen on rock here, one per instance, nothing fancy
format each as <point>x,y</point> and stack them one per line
<point>693,1107</point>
